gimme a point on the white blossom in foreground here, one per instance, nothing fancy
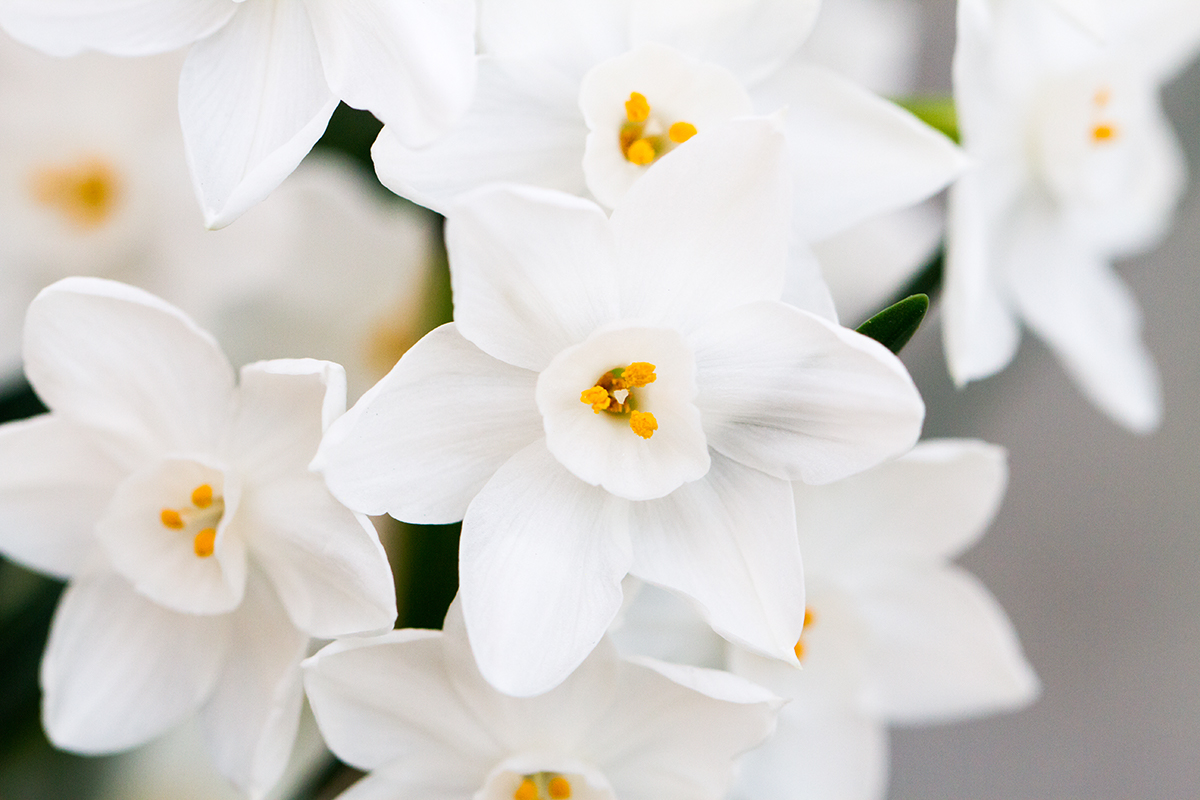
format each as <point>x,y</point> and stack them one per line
<point>895,634</point>
<point>623,396</point>
<point>264,76</point>
<point>202,554</point>
<point>412,708</point>
<point>1077,167</point>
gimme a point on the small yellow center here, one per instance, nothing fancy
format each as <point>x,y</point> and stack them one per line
<point>543,786</point>
<point>1103,131</point>
<point>642,136</point>
<point>809,619</point>
<point>86,192</point>
<point>200,519</point>
<point>613,394</point>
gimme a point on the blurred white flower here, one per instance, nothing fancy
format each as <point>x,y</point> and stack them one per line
<point>264,76</point>
<point>623,396</point>
<point>202,554</point>
<point>412,708</point>
<point>1077,167</point>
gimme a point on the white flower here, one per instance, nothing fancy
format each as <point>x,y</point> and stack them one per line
<point>264,76</point>
<point>202,553</point>
<point>411,707</point>
<point>895,634</point>
<point>1077,166</point>
<point>623,396</point>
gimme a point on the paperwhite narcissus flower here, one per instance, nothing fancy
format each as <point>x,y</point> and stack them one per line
<point>411,707</point>
<point>895,634</point>
<point>264,76</point>
<point>202,553</point>
<point>623,396</point>
<point>1077,167</point>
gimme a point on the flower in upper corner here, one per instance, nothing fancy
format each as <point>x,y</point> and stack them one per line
<point>412,708</point>
<point>894,633</point>
<point>202,553</point>
<point>264,76</point>
<point>1077,167</point>
<point>623,396</point>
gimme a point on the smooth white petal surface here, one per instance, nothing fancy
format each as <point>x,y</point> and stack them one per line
<point>411,64</point>
<point>54,484</point>
<point>571,36</point>
<point>119,670</point>
<point>786,392</point>
<point>117,359</point>
<point>728,541</point>
<point>120,27</point>
<point>532,272</point>
<point>251,719</point>
<point>523,126</point>
<point>253,100</point>
<point>541,560</point>
<point>426,438</point>
<point>804,285</point>
<point>853,154</point>
<point>707,229</point>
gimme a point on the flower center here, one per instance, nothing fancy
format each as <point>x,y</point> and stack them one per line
<point>809,619</point>
<point>644,137</point>
<point>86,192</point>
<point>200,519</point>
<point>613,394</point>
<point>1103,130</point>
<point>543,786</point>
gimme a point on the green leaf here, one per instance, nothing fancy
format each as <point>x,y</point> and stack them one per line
<point>936,112</point>
<point>896,324</point>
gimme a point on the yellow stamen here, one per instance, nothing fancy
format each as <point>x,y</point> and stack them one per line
<point>637,109</point>
<point>172,519</point>
<point>526,791</point>
<point>680,132</point>
<point>799,648</point>
<point>643,423</point>
<point>86,192</point>
<point>639,373</point>
<point>1102,96</point>
<point>202,496</point>
<point>809,617</point>
<point>1104,132</point>
<point>640,152</point>
<point>559,788</point>
<point>205,542</point>
<point>597,397</point>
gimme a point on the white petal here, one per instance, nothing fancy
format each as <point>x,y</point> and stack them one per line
<point>253,100</point>
<point>728,541</point>
<point>426,438</point>
<point>570,36</point>
<point>708,228</point>
<point>251,719</point>
<point>804,284</point>
<point>447,782</point>
<point>943,648</point>
<point>601,448</point>
<point>853,154</point>
<point>411,64</point>
<point>801,398</point>
<point>119,360</point>
<point>54,484</point>
<point>532,272</point>
<point>541,560</point>
<point>120,27</point>
<point>119,670</point>
<point>326,563</point>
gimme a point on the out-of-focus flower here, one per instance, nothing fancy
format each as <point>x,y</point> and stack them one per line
<point>202,554</point>
<point>412,707</point>
<point>264,76</point>
<point>1077,167</point>
<point>623,396</point>
<point>895,634</point>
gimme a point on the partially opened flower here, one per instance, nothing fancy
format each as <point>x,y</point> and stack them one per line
<point>623,396</point>
<point>411,707</point>
<point>264,76</point>
<point>202,554</point>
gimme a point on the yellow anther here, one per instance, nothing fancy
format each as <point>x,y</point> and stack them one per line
<point>809,617</point>
<point>640,152</point>
<point>643,423</point>
<point>596,397</point>
<point>799,648</point>
<point>680,132</point>
<point>205,542</point>
<point>202,496</point>
<point>559,788</point>
<point>637,109</point>
<point>1102,96</point>
<point>1104,132</point>
<point>526,791</point>
<point>86,192</point>
<point>639,373</point>
<point>172,519</point>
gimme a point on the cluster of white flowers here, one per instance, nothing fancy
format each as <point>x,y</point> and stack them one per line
<point>661,443</point>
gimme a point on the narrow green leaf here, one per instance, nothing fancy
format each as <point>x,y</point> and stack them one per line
<point>896,324</point>
<point>936,112</point>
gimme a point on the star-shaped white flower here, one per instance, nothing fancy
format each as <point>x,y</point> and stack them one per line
<point>202,554</point>
<point>623,396</point>
<point>264,76</point>
<point>412,708</point>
